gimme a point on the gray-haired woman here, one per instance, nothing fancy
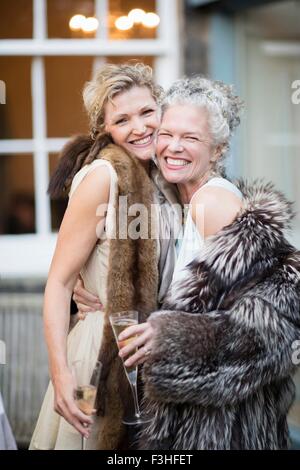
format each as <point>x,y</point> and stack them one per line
<point>219,363</point>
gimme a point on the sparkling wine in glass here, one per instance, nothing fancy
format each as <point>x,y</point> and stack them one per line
<point>119,322</point>
<point>85,397</point>
<point>87,382</point>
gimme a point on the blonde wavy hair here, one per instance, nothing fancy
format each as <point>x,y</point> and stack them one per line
<point>110,80</point>
<point>81,150</point>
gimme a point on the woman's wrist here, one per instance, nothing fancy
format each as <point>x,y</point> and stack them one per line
<point>59,372</point>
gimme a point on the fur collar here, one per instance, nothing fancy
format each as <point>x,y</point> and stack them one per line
<point>254,236</point>
<point>132,284</point>
<point>243,252</point>
<point>133,264</point>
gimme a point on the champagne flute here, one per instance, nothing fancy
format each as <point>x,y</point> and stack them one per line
<point>87,382</point>
<point>119,322</point>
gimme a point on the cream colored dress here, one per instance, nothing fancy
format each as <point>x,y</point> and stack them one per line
<point>84,340</point>
<point>192,242</point>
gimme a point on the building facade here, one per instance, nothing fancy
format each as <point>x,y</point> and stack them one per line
<point>44,62</point>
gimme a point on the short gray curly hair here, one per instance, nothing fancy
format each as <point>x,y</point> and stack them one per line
<point>223,106</point>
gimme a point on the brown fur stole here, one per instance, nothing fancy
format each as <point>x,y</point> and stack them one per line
<point>132,285</point>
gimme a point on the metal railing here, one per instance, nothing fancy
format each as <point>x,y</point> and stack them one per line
<point>24,377</point>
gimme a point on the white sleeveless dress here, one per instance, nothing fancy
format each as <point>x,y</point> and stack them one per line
<point>192,242</point>
<point>84,340</point>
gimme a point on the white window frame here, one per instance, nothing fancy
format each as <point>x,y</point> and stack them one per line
<point>30,255</point>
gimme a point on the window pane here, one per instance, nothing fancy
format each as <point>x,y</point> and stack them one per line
<point>17,201</point>
<point>148,60</point>
<point>16,19</point>
<point>118,8</point>
<point>59,206</point>
<point>65,111</point>
<point>61,11</point>
<point>15,115</point>
<point>65,77</point>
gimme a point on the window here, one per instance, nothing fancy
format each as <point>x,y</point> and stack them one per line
<point>44,62</point>
<point>16,19</point>
<point>121,8</point>
<point>65,77</point>
<point>16,115</point>
<point>17,203</point>
<point>59,14</point>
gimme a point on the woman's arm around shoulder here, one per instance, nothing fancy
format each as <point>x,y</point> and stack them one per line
<point>213,208</point>
<point>76,239</point>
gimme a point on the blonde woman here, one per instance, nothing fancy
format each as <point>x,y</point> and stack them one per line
<point>114,160</point>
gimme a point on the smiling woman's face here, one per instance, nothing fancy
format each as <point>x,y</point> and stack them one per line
<point>184,144</point>
<point>132,119</point>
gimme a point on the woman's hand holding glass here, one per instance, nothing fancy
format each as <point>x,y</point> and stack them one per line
<point>139,347</point>
<point>87,382</point>
<point>65,404</point>
<point>143,332</point>
<point>127,320</point>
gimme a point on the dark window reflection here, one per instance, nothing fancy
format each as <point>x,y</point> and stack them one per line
<point>17,206</point>
<point>16,19</point>
<point>65,77</point>
<point>16,114</point>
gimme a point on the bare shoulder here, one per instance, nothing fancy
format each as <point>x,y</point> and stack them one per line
<point>213,208</point>
<point>93,188</point>
<point>82,224</point>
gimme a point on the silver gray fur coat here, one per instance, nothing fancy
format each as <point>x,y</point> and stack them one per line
<point>219,375</point>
